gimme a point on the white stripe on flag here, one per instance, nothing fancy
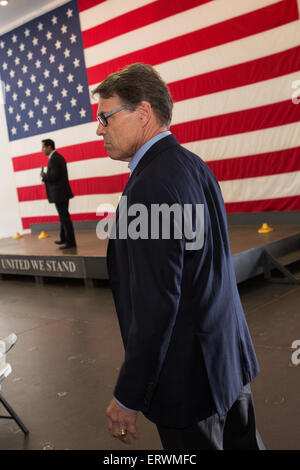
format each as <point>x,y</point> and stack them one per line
<point>63,137</point>
<point>262,187</point>
<point>109,10</point>
<point>248,143</point>
<point>237,99</point>
<point>92,168</point>
<point>78,205</point>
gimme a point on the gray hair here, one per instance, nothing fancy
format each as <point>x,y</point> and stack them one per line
<point>136,83</point>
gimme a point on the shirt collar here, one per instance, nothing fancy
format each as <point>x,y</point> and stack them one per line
<point>50,155</point>
<point>143,149</point>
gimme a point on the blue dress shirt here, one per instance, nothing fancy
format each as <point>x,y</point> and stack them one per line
<point>143,149</point>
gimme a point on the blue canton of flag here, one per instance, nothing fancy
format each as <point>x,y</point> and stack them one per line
<point>43,74</point>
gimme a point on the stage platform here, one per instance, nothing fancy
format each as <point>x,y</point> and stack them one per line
<point>30,256</point>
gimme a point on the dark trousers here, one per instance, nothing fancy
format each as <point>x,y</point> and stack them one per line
<point>66,227</point>
<point>234,431</point>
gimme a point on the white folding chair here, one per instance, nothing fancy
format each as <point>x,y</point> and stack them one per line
<point>5,370</point>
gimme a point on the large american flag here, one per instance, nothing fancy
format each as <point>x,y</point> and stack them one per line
<point>233,70</point>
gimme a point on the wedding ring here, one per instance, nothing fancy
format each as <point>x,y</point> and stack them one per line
<point>122,433</point>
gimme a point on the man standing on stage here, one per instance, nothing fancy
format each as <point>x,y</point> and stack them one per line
<point>189,357</point>
<point>59,192</point>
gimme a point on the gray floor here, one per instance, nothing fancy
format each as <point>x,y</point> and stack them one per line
<point>69,351</point>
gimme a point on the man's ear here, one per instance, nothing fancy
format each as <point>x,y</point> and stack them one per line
<point>145,112</point>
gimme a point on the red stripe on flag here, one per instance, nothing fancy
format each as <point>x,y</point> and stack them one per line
<point>26,221</point>
<point>80,187</point>
<point>236,28</point>
<point>248,120</point>
<point>235,76</point>
<point>85,4</point>
<point>290,203</point>
<point>135,19</point>
<point>253,166</point>
<point>99,185</point>
<point>71,153</point>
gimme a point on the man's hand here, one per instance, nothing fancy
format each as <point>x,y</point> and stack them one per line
<point>118,418</point>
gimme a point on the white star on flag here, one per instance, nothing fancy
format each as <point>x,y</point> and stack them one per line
<point>32,57</point>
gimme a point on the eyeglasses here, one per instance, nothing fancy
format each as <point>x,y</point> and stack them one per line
<point>102,117</point>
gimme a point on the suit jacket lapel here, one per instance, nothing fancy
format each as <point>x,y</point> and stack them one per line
<point>149,156</point>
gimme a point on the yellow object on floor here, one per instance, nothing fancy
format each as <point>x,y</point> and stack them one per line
<point>265,228</point>
<point>17,236</point>
<point>43,235</point>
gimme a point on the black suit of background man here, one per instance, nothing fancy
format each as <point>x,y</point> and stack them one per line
<point>59,192</point>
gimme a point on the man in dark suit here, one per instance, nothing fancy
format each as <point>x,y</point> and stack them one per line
<point>189,357</point>
<point>59,192</point>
